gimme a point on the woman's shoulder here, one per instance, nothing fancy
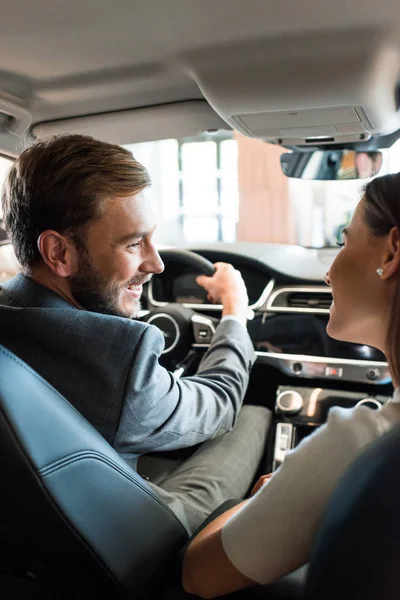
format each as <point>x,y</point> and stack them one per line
<point>360,425</point>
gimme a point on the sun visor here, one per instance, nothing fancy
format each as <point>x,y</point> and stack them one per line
<point>182,119</point>
<point>305,90</point>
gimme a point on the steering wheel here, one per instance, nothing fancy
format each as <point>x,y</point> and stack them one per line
<point>181,326</point>
<point>190,259</point>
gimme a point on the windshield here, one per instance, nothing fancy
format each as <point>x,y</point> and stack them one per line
<point>224,187</point>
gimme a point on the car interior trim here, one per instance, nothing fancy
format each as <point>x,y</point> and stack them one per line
<point>296,289</point>
<point>176,327</point>
<point>201,320</point>
<point>214,307</point>
<point>320,367</point>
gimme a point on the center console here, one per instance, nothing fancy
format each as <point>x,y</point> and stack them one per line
<point>300,410</point>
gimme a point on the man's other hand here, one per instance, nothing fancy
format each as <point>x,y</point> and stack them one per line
<point>227,287</point>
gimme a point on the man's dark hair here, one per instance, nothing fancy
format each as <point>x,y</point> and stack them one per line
<point>62,184</point>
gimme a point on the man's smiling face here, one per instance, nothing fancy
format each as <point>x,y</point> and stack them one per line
<point>117,258</point>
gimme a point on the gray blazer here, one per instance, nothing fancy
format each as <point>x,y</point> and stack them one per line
<point>108,368</point>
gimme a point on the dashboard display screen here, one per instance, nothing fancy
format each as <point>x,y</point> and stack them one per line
<point>304,334</point>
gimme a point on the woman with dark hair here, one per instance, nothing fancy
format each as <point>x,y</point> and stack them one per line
<point>271,534</point>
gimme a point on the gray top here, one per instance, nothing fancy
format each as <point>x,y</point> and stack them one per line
<point>107,367</point>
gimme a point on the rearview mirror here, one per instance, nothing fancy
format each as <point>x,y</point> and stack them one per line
<point>330,165</point>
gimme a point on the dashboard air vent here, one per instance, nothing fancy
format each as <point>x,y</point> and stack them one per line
<point>309,300</point>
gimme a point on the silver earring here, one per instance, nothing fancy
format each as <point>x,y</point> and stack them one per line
<point>380,272</point>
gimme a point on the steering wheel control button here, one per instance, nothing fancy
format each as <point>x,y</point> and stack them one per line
<point>370,403</point>
<point>373,374</point>
<point>333,372</point>
<point>289,402</point>
<point>169,328</point>
<point>203,333</point>
<point>203,329</point>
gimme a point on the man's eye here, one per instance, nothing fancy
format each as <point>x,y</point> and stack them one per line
<point>135,245</point>
<point>340,244</point>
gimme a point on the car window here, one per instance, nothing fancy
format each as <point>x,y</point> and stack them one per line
<point>227,187</point>
<point>8,263</point>
<point>5,164</point>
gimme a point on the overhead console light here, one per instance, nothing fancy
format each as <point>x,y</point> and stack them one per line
<point>312,126</point>
<point>333,88</point>
<point>320,140</point>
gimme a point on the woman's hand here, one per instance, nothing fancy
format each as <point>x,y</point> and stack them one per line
<point>263,479</point>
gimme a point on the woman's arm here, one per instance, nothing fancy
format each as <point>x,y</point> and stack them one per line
<point>207,572</point>
<point>205,554</point>
<point>271,534</point>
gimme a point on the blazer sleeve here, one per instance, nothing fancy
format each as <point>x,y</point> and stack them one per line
<point>162,413</point>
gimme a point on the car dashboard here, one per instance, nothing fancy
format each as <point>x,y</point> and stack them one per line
<point>287,321</point>
<point>300,372</point>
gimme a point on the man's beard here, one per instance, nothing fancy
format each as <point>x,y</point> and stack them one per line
<point>97,294</point>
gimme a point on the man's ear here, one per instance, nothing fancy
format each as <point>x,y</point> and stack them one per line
<point>59,253</point>
<point>391,261</point>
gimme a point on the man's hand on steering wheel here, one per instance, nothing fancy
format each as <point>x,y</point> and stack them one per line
<point>227,287</point>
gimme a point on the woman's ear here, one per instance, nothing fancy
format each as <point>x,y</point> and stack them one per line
<point>391,261</point>
<point>58,253</point>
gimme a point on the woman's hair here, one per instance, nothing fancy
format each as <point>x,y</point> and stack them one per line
<point>62,184</point>
<point>382,213</point>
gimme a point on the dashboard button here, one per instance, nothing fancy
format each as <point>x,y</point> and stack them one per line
<point>289,402</point>
<point>333,371</point>
<point>283,442</point>
<point>373,374</point>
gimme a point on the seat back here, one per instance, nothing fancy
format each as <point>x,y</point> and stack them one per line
<point>78,518</point>
<point>357,550</point>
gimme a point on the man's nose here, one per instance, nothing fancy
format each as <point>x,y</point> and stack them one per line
<point>326,279</point>
<point>153,263</point>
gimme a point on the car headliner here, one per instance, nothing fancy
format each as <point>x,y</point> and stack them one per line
<point>127,53</point>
